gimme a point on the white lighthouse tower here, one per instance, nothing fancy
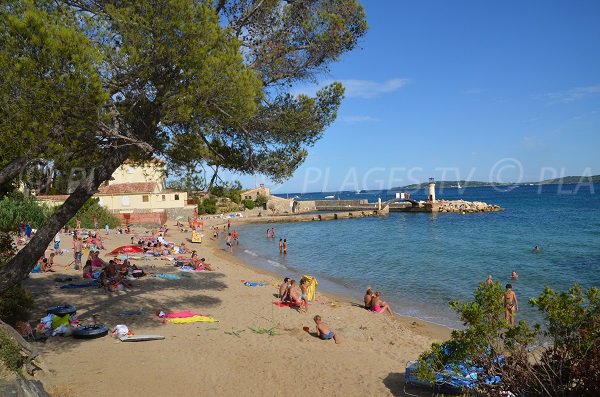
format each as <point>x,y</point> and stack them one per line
<point>431,195</point>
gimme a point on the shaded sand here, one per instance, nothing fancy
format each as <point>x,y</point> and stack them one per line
<point>226,358</point>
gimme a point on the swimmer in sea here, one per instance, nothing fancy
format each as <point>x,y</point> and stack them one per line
<point>514,275</point>
<point>489,280</point>
<point>536,248</point>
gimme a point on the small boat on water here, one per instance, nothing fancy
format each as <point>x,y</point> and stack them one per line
<point>329,197</point>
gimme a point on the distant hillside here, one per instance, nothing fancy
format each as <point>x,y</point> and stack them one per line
<point>571,179</point>
<point>454,184</point>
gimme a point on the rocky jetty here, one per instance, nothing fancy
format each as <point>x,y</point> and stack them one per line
<point>466,206</point>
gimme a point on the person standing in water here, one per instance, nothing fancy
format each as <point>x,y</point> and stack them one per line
<point>284,246</point>
<point>280,245</point>
<point>268,233</point>
<point>511,304</point>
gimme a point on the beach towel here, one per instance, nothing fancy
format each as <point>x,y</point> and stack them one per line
<point>193,319</point>
<point>190,269</point>
<point>286,304</point>
<point>253,284</point>
<point>166,276</point>
<point>92,283</point>
<point>183,314</point>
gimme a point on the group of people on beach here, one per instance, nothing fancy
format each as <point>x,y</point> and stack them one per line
<point>288,292</point>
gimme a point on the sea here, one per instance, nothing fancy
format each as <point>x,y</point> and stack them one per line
<point>423,261</point>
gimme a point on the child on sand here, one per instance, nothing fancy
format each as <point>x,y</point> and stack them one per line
<point>304,295</point>
<point>323,330</point>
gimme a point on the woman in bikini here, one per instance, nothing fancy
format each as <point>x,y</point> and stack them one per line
<point>379,306</point>
<point>511,304</point>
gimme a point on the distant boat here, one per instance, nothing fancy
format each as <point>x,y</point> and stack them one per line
<point>329,197</point>
<point>296,197</point>
<point>458,186</point>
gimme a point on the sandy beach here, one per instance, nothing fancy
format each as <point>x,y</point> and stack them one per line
<point>235,356</point>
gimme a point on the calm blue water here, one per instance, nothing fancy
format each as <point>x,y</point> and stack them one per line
<point>422,261</point>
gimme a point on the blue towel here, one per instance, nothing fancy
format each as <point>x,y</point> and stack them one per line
<point>166,276</point>
<point>253,284</point>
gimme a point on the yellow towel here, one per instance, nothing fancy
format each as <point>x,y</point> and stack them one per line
<point>311,290</point>
<point>194,319</point>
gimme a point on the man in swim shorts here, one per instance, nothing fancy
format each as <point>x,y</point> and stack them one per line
<point>323,330</point>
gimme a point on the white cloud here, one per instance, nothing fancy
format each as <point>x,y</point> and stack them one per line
<point>574,94</point>
<point>365,89</point>
<point>358,119</point>
<point>531,142</point>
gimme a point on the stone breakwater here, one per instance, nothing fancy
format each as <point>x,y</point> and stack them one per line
<point>466,206</point>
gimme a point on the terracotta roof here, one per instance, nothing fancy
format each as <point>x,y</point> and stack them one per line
<point>125,188</point>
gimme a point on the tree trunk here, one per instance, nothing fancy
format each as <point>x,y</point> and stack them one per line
<point>13,168</point>
<point>19,266</point>
<point>212,180</point>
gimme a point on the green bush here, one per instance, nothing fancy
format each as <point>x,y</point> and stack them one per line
<point>249,204</point>
<point>15,304</point>
<point>90,209</point>
<point>560,357</point>
<point>16,208</point>
<point>10,353</point>
<point>210,205</point>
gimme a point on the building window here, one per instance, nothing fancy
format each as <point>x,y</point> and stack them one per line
<point>164,198</point>
<point>145,198</point>
<point>125,201</point>
<point>176,197</point>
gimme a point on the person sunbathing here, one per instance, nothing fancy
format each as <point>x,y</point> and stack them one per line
<point>96,261</point>
<point>379,306</point>
<point>183,249</point>
<point>294,295</point>
<point>284,290</point>
<point>88,269</point>
<point>205,265</point>
<point>368,298</point>
<point>45,267</point>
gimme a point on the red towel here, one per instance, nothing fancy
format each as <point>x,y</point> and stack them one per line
<point>286,304</point>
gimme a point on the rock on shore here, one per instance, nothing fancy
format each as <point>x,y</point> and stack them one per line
<point>466,206</point>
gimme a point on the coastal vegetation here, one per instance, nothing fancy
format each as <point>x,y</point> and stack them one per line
<point>560,357</point>
<point>88,85</point>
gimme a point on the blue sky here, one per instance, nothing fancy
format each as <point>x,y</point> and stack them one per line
<point>480,90</point>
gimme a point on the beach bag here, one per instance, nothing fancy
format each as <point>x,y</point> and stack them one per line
<point>137,273</point>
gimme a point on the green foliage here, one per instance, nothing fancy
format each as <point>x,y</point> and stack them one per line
<point>15,304</point>
<point>10,353</point>
<point>93,209</point>
<point>261,200</point>
<point>16,208</point>
<point>566,361</point>
<point>249,204</point>
<point>50,88</point>
<point>208,206</point>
